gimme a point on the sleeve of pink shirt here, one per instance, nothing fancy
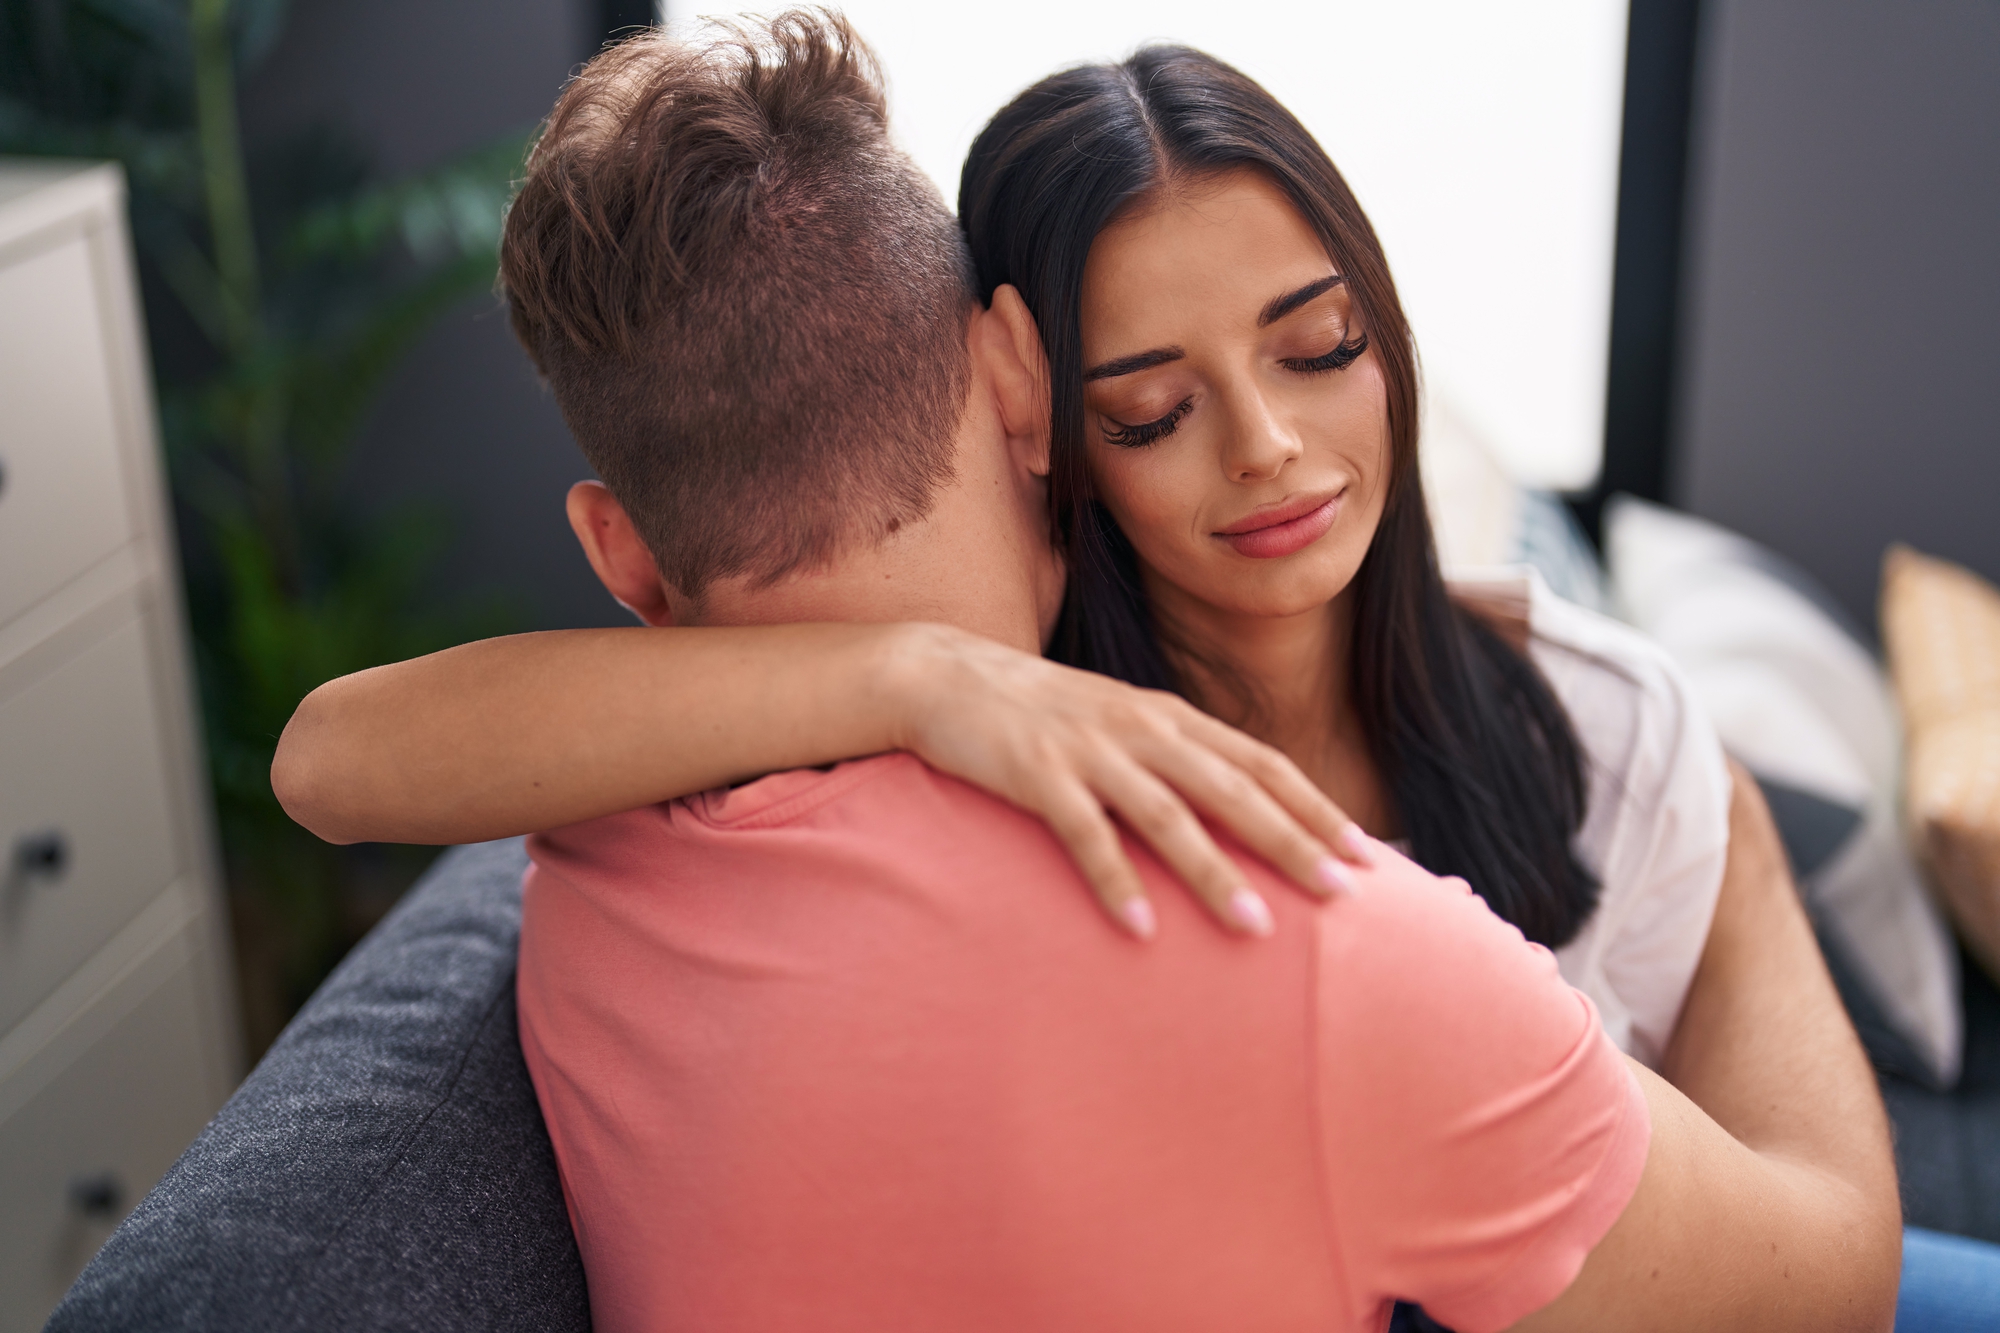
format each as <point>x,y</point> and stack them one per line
<point>1480,1132</point>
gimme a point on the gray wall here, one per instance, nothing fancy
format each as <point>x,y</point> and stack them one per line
<point>1840,362</point>
<point>463,422</point>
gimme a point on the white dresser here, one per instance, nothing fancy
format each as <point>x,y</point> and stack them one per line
<point>117,1015</point>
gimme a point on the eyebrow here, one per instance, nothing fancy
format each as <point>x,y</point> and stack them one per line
<point>1290,301</point>
<point>1160,356</point>
<point>1132,365</point>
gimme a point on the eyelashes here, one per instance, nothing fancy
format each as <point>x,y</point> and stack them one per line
<point>1340,358</point>
<point>1149,432</point>
<point>1143,434</point>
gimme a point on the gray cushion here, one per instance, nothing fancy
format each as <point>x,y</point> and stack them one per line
<point>1948,1144</point>
<point>385,1166</point>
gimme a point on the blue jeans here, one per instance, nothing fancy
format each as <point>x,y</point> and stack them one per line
<point>1950,1284</point>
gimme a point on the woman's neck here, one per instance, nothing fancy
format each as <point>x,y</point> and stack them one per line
<point>1284,680</point>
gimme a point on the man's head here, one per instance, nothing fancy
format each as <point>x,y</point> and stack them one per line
<point>754,311</point>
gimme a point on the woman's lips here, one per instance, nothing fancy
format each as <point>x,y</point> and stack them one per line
<point>1282,531</point>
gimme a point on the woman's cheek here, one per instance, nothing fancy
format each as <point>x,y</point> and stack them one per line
<point>1375,423</point>
<point>1155,505</point>
<point>1354,413</point>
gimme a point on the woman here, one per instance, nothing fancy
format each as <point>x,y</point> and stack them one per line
<point>1202,390</point>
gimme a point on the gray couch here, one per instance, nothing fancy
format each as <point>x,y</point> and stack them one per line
<point>386,1166</point>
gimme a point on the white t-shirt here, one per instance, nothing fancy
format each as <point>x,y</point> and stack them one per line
<point>1656,829</point>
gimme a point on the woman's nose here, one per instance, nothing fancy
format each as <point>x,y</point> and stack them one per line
<point>1261,443</point>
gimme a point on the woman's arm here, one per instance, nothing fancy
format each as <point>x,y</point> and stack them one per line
<point>535,731</point>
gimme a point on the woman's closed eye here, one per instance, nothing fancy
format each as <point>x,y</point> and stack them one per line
<point>1146,432</point>
<point>1340,358</point>
<point>1137,436</point>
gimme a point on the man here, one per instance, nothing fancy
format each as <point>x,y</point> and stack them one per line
<point>837,1049</point>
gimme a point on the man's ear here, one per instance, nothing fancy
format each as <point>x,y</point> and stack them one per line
<point>1020,375</point>
<point>623,563</point>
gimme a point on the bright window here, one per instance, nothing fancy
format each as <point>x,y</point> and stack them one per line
<point>1482,138</point>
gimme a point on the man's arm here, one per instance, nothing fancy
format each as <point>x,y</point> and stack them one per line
<point>1763,1044</point>
<point>1769,1195</point>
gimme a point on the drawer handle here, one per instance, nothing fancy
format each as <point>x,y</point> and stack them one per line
<point>97,1195</point>
<point>42,855</point>
<point>38,858</point>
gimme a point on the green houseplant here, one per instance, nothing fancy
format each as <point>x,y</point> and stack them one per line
<point>281,291</point>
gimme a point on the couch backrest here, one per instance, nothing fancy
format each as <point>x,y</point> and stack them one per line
<point>385,1167</point>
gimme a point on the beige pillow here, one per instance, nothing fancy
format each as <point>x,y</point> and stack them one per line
<point>1941,627</point>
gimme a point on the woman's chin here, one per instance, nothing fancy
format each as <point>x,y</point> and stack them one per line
<point>1284,588</point>
<point>1280,595</point>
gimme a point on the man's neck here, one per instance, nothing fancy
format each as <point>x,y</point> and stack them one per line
<point>875,591</point>
<point>968,563</point>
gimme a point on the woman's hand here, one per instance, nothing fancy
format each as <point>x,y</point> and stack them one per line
<point>1076,748</point>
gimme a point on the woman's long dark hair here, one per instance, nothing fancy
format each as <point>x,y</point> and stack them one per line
<point>1477,754</point>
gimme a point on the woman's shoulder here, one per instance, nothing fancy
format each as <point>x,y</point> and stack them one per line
<point>1656,820</point>
<point>1612,680</point>
<point>1659,786</point>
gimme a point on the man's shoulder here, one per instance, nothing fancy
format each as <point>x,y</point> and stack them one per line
<point>884,819</point>
<point>892,788</point>
<point>1421,960</point>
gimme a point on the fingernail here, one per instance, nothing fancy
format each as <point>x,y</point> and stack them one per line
<point>1334,876</point>
<point>1358,844</point>
<point>1137,914</point>
<point>1251,912</point>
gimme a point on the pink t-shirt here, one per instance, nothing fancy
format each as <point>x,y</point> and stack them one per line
<point>852,1050</point>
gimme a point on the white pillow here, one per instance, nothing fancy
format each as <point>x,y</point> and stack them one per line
<point>1800,701</point>
<point>1483,519</point>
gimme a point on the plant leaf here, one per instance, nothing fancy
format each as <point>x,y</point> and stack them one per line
<point>452,210</point>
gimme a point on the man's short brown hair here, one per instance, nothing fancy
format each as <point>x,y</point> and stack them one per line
<point>751,306</point>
